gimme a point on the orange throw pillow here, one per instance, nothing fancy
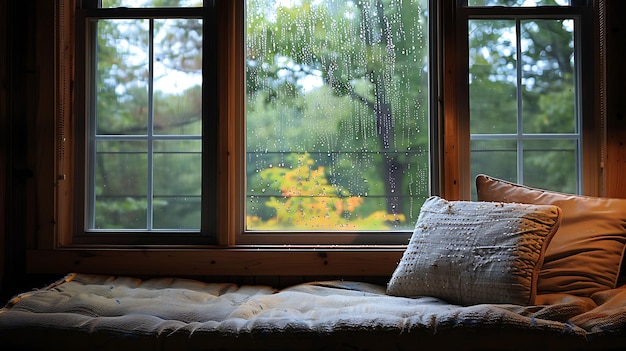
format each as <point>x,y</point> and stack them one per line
<point>585,254</point>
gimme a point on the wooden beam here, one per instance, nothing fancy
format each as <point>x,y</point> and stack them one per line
<point>220,262</point>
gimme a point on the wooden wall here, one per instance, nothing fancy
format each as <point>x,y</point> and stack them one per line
<point>26,112</point>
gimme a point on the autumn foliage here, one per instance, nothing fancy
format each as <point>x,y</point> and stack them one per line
<point>309,202</point>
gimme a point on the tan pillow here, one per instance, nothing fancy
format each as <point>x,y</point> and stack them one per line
<point>475,252</point>
<point>586,253</point>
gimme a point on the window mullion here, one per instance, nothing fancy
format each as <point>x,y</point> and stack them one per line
<point>520,124</point>
<point>92,129</point>
<point>150,129</point>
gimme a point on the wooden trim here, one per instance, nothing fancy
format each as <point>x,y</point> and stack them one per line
<point>231,261</point>
<point>452,188</point>
<point>63,145</point>
<point>73,206</point>
<point>592,95</point>
<point>600,28</point>
<point>616,104</point>
<point>40,111</point>
<point>232,104</point>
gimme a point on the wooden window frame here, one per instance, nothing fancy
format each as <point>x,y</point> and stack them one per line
<point>50,248</point>
<point>590,127</point>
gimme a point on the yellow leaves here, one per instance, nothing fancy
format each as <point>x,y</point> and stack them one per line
<point>309,202</point>
<point>380,217</point>
<point>302,181</point>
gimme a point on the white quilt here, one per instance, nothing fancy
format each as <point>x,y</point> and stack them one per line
<point>95,312</point>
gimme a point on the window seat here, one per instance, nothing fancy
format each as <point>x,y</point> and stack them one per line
<point>99,312</point>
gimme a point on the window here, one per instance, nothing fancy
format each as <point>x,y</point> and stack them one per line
<point>524,75</point>
<point>316,122</point>
<point>337,119</point>
<point>524,84</point>
<point>150,120</point>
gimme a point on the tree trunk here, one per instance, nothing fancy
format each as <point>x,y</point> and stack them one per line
<point>392,171</point>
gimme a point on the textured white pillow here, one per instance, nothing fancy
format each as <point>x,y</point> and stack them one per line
<point>476,252</point>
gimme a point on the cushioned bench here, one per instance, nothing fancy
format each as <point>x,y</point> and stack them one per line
<point>93,312</point>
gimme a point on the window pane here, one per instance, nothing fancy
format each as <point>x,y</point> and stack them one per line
<point>121,78</point>
<point>337,114</point>
<point>548,164</point>
<point>551,164</point>
<point>493,76</point>
<point>548,86</point>
<point>495,157</point>
<point>519,3</point>
<point>178,77</point>
<point>146,166</point>
<point>177,183</point>
<point>151,3</point>
<point>179,167</point>
<point>120,185</point>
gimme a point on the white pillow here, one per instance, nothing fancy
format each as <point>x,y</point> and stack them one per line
<point>476,252</point>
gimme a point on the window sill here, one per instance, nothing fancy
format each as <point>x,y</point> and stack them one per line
<point>219,261</point>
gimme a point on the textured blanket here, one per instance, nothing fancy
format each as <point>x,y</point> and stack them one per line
<point>94,312</point>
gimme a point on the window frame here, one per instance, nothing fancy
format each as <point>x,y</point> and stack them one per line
<point>590,123</point>
<point>391,239</point>
<point>87,14</point>
<point>52,248</point>
<point>232,116</point>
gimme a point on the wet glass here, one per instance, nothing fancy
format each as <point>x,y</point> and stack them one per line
<point>336,114</point>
